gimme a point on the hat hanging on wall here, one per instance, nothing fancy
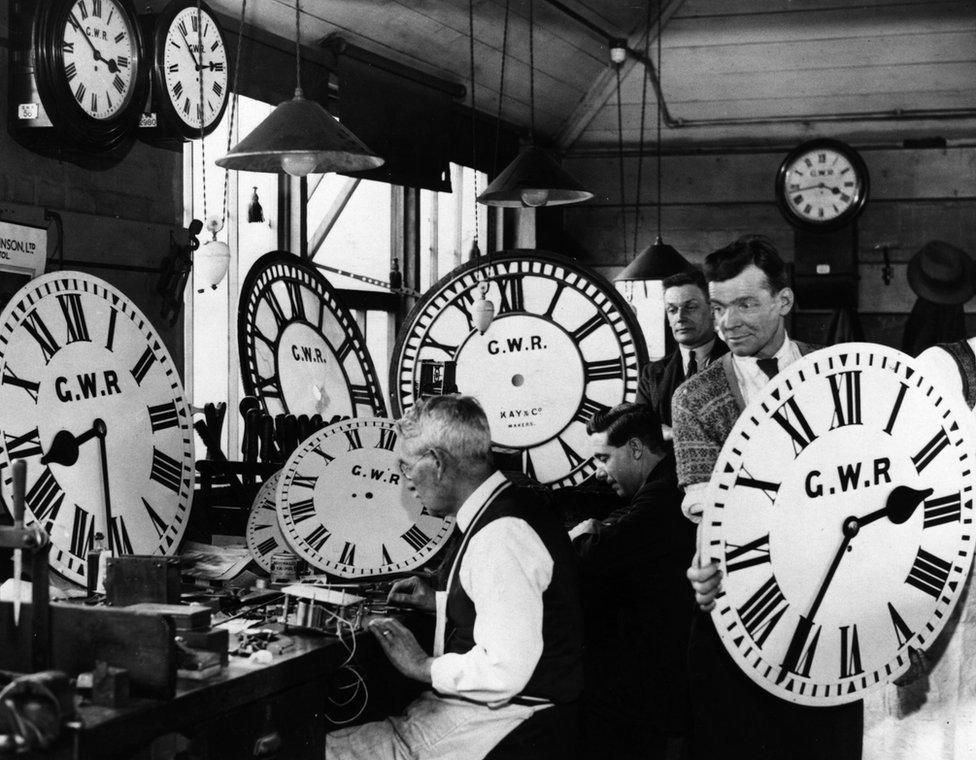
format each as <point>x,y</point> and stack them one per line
<point>941,273</point>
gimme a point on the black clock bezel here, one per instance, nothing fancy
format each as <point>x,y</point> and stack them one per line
<point>861,195</point>
<point>72,122</point>
<point>161,99</point>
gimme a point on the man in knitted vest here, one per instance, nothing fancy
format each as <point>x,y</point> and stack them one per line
<point>507,666</point>
<point>732,716</point>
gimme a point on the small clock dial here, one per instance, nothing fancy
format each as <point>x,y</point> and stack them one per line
<point>89,392</point>
<point>301,350</point>
<point>344,506</point>
<point>99,51</point>
<point>822,184</point>
<point>263,534</point>
<point>192,61</point>
<point>841,516</point>
<point>562,346</point>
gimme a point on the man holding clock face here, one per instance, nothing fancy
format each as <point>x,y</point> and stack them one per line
<point>732,716</point>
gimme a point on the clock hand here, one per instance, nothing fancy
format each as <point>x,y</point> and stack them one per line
<point>190,51</point>
<point>112,65</point>
<point>64,447</point>
<point>899,506</point>
<point>99,427</point>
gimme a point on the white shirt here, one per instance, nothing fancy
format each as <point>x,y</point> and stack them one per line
<point>504,570</point>
<point>701,355</point>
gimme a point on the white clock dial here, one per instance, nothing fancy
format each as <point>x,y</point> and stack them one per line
<point>344,506</point>
<point>562,346</point>
<point>194,63</point>
<point>821,184</point>
<point>88,391</point>
<point>841,515</point>
<point>99,54</point>
<point>263,535</point>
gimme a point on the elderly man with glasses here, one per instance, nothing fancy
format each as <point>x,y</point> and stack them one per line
<point>508,639</point>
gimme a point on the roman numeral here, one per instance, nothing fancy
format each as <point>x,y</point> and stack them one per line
<point>767,487</point>
<point>387,560</point>
<point>21,446</point>
<point>144,364</point>
<point>182,27</point>
<point>801,651</point>
<point>268,387</point>
<point>762,611</point>
<point>121,542</point>
<point>463,304</point>
<point>317,538</point>
<point>304,481</point>
<point>593,323</point>
<point>82,10</point>
<point>94,102</point>
<point>388,439</point>
<point>97,8</point>
<point>902,632</point>
<point>118,84</point>
<point>930,450</point>
<point>172,69</point>
<point>942,510</point>
<point>355,442</point>
<point>587,409</point>
<point>437,345</point>
<point>895,409</point>
<point>801,434</point>
<point>119,37</point>
<point>747,555</point>
<point>267,546</point>
<point>276,311</point>
<point>178,90</point>
<point>344,349</point>
<point>845,387</point>
<point>850,652</point>
<point>348,555</point>
<point>70,70</point>
<point>163,416</point>
<point>158,523</point>
<point>512,296</point>
<point>108,99</point>
<point>929,573</point>
<point>416,538</point>
<point>110,339</point>
<point>560,286</point>
<point>527,467</point>
<point>9,378</point>
<point>218,90</point>
<point>82,533</point>
<point>44,498</point>
<point>361,395</point>
<point>302,510</point>
<point>186,106</point>
<point>123,61</point>
<point>218,65</point>
<point>575,460</point>
<point>39,332</point>
<point>195,23</point>
<point>295,300</point>
<point>327,457</point>
<point>165,470</point>
<point>609,369</point>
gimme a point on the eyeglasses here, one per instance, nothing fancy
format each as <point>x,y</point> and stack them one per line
<point>406,469</point>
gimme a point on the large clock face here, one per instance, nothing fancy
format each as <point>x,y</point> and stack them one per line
<point>562,346</point>
<point>301,350</point>
<point>191,60</point>
<point>344,506</point>
<point>99,53</point>
<point>88,391</point>
<point>263,534</point>
<point>822,184</point>
<point>841,515</point>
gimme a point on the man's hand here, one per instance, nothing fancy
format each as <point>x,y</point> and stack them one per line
<point>587,526</point>
<point>402,648</point>
<point>412,592</point>
<point>706,582</point>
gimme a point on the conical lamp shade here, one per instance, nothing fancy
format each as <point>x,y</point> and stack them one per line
<point>656,262</point>
<point>533,179</point>
<point>300,137</point>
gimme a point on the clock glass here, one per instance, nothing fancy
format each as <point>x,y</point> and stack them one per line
<point>822,184</point>
<point>91,400</point>
<point>562,346</point>
<point>841,515</point>
<point>99,53</point>
<point>193,61</point>
<point>345,508</point>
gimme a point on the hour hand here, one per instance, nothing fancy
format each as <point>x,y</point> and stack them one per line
<point>899,506</point>
<point>64,447</point>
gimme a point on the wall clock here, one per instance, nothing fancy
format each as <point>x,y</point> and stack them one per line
<point>89,69</point>
<point>841,515</point>
<point>822,185</point>
<point>344,507</point>
<point>563,345</point>
<point>263,534</point>
<point>301,349</point>
<point>90,398</point>
<point>189,71</point>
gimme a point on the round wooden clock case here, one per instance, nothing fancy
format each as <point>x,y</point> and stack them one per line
<point>562,346</point>
<point>88,391</point>
<point>841,515</point>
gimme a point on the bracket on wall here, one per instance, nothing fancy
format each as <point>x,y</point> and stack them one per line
<point>175,270</point>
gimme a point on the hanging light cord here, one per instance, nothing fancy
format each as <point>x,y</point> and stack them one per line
<point>620,155</point>
<point>298,52</point>
<point>532,68</point>
<point>501,91</point>
<point>640,149</point>
<point>660,96</point>
<point>203,149</point>
<point>474,160</point>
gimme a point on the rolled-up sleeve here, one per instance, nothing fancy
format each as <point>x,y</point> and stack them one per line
<point>505,570</point>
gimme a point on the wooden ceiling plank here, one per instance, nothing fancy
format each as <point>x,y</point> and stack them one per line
<point>701,8</point>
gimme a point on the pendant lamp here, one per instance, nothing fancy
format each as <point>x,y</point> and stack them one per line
<point>300,137</point>
<point>534,178</point>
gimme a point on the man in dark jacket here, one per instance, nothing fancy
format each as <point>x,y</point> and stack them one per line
<point>637,605</point>
<point>690,319</point>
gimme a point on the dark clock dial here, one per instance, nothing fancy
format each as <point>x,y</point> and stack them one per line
<point>344,507</point>
<point>301,350</point>
<point>841,515</point>
<point>562,346</point>
<point>90,398</point>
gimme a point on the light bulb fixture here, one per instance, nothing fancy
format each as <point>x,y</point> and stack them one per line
<point>211,260</point>
<point>482,310</point>
<point>618,50</point>
<point>255,214</point>
<point>300,137</point>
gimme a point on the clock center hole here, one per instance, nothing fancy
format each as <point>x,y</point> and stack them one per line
<point>517,380</point>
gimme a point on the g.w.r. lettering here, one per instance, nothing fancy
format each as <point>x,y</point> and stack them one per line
<point>514,345</point>
<point>849,478</point>
<point>307,354</point>
<point>87,385</point>
<point>383,476</point>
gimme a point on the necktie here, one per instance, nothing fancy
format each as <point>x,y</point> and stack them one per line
<point>692,365</point>
<point>768,366</point>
